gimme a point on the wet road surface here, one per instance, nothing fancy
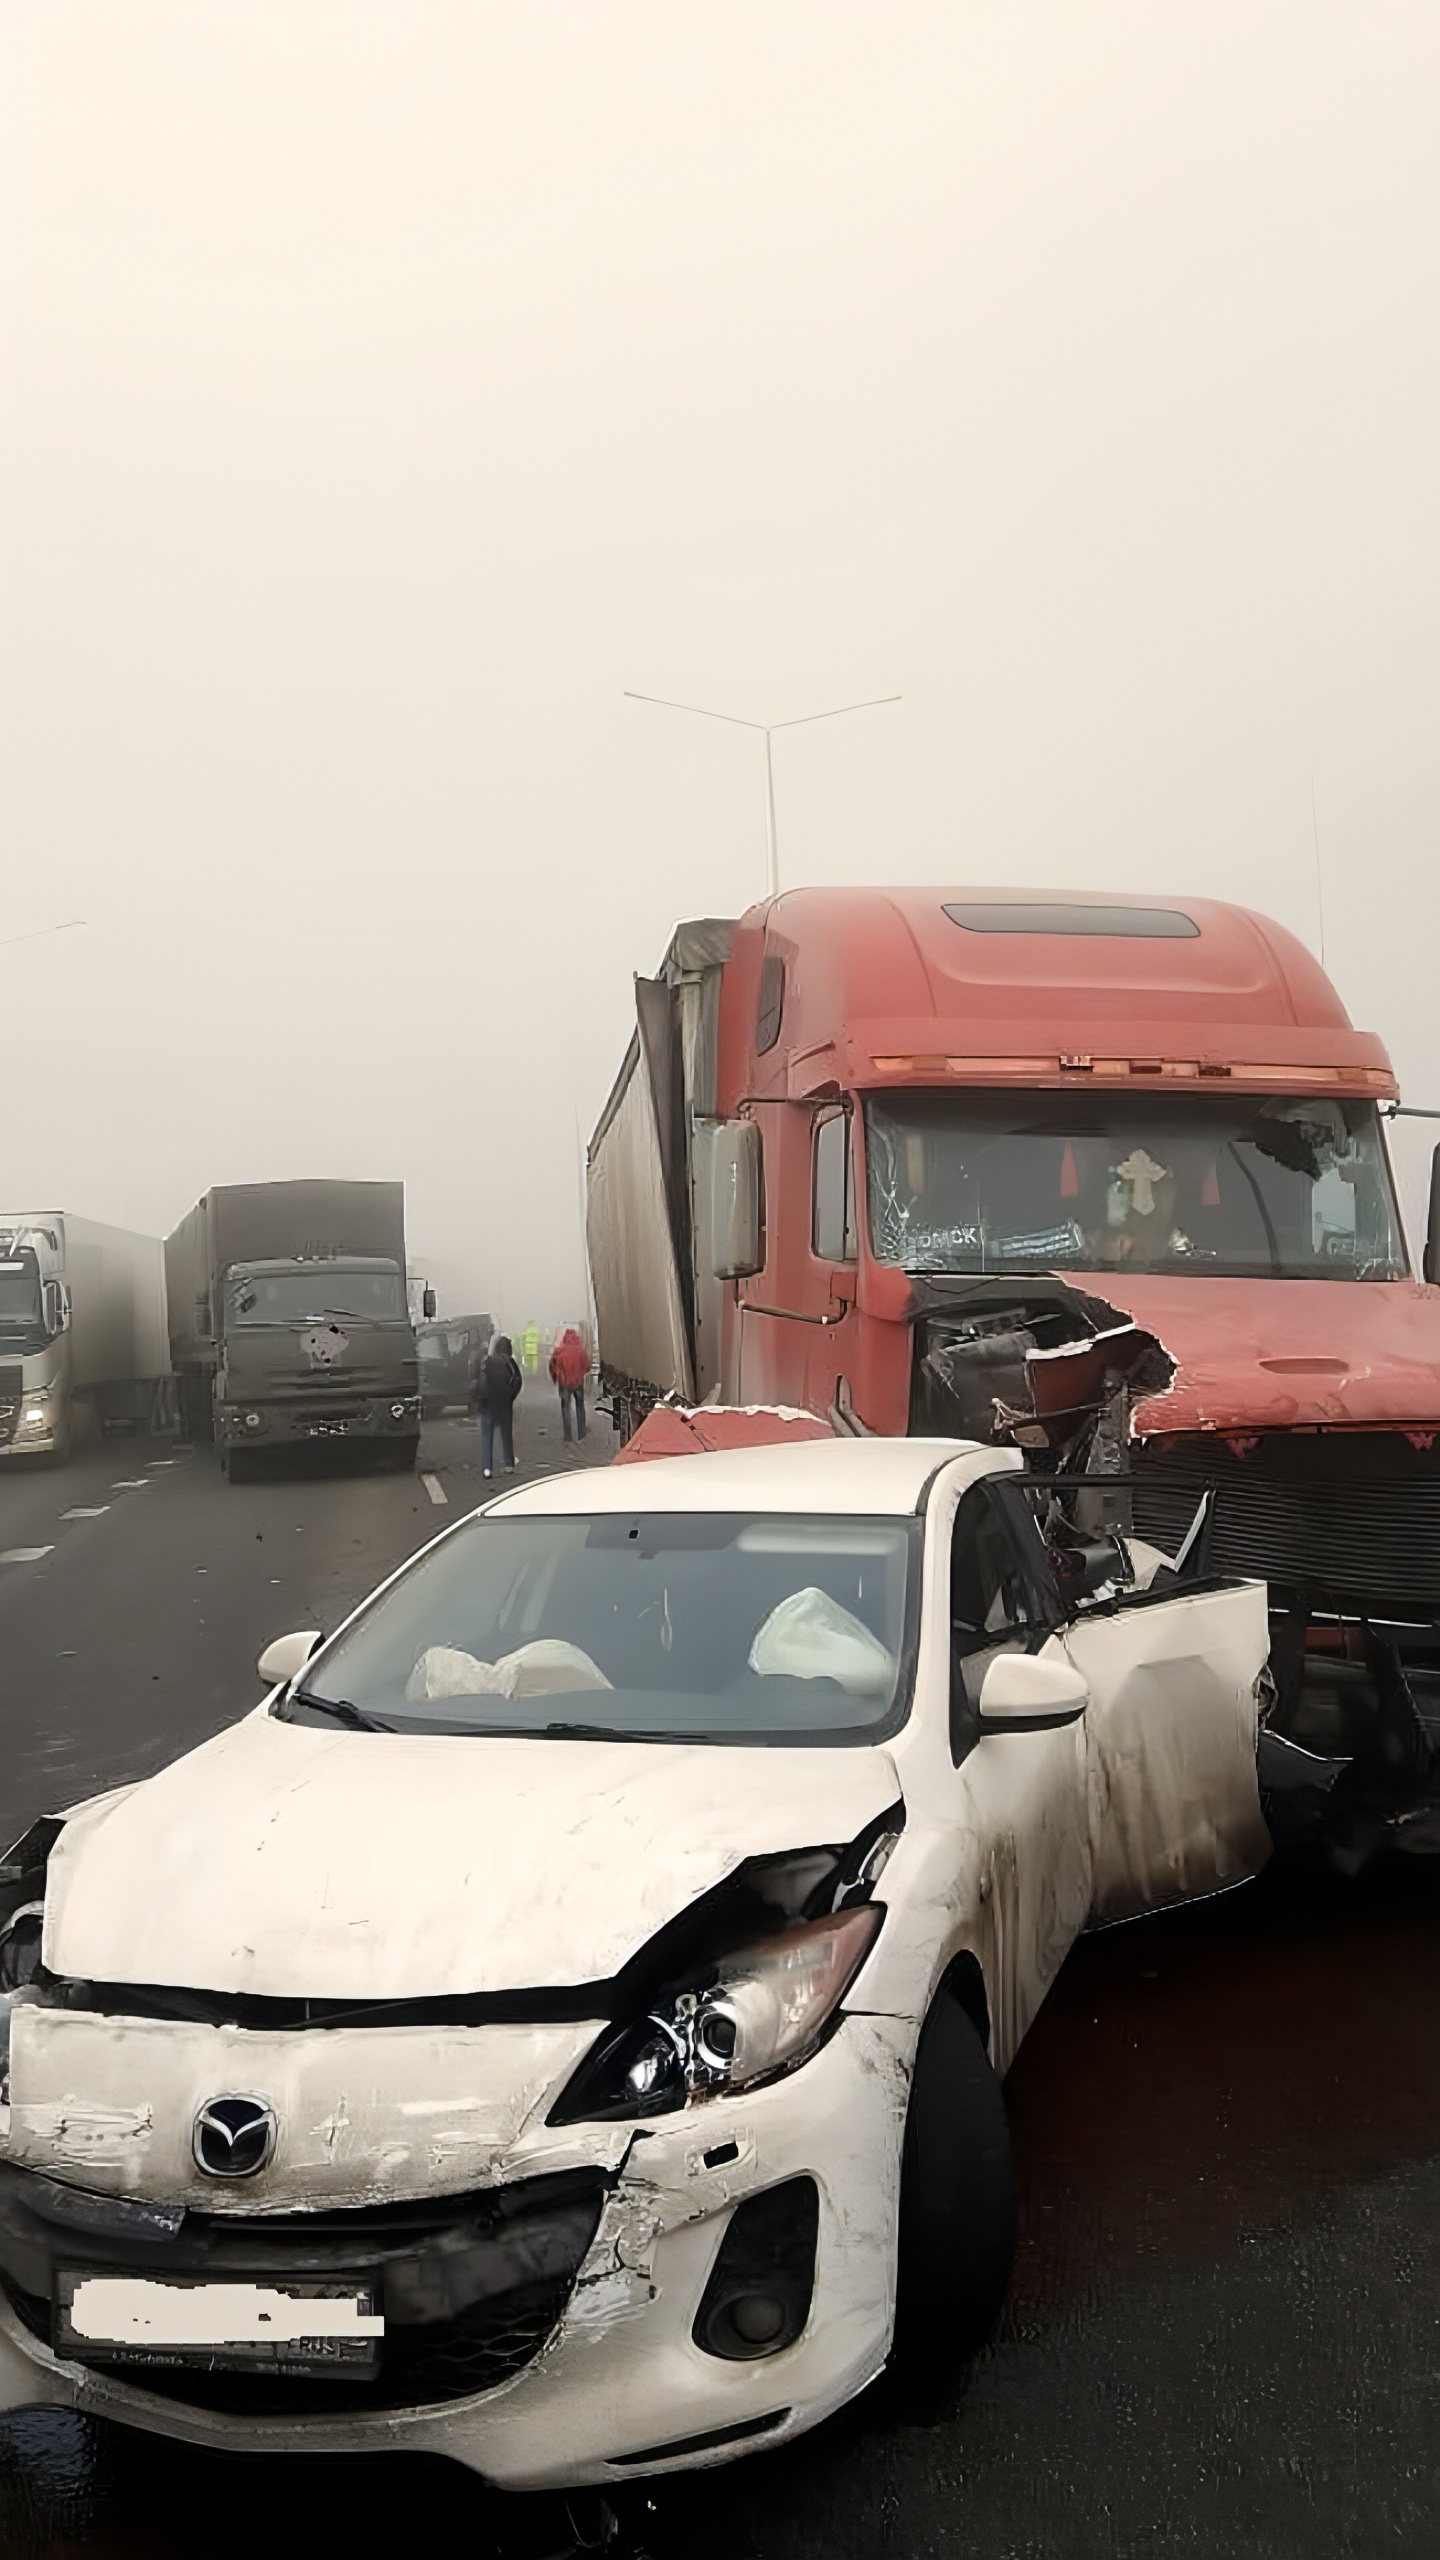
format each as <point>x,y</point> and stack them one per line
<point>1224,2333</point>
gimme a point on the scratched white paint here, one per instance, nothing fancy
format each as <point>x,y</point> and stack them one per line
<point>296,1859</point>
<point>343,2096</point>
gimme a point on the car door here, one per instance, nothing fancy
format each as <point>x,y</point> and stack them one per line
<point>1176,1682</point>
<point>1024,1792</point>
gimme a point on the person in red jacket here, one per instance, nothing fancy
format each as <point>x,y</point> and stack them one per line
<point>570,1367</point>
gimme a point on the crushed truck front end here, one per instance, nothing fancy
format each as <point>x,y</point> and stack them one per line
<point>1109,1181</point>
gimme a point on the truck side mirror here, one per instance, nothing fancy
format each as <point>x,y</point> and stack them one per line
<point>427,1306</point>
<point>1431,1263</point>
<point>735,1198</point>
<point>57,1308</point>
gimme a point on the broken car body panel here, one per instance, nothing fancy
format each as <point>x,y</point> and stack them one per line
<point>284,1860</point>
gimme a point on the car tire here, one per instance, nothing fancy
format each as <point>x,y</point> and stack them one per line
<point>957,2193</point>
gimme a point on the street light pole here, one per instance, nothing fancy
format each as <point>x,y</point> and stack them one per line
<point>767,731</point>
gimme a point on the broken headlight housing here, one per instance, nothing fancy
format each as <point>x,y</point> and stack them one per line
<point>745,2007</point>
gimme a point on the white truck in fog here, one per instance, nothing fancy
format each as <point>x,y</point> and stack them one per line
<point>82,1328</point>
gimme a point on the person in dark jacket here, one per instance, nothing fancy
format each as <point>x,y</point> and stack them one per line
<point>569,1368</point>
<point>496,1382</point>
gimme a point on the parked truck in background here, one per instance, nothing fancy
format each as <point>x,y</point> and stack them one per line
<point>1104,1178</point>
<point>82,1329</point>
<point>288,1320</point>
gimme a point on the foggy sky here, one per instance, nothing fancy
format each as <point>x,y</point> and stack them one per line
<point>388,384</point>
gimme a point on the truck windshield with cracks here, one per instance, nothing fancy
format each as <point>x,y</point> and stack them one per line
<point>1104,1180</point>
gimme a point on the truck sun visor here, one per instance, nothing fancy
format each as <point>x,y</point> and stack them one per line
<point>1152,924</point>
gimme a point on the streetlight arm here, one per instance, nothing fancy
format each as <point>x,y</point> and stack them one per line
<point>699,710</point>
<point>838,713</point>
<point>767,729</point>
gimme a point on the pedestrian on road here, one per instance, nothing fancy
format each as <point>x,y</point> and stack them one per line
<point>570,1367</point>
<point>496,1382</point>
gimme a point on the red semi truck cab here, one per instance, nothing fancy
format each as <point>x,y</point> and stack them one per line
<point>1106,1178</point>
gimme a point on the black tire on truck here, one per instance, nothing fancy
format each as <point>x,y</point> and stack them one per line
<point>957,2194</point>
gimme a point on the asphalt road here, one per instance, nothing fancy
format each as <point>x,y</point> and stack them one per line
<point>1224,2333</point>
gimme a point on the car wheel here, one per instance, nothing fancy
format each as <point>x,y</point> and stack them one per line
<point>957,2192</point>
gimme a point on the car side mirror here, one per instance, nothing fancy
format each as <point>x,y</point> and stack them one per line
<point>427,1306</point>
<point>1431,1262</point>
<point>1038,1690</point>
<point>285,1657</point>
<point>735,1219</point>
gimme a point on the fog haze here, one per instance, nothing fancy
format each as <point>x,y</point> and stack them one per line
<point>388,387</point>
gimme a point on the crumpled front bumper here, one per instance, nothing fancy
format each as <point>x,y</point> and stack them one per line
<point>621,2387</point>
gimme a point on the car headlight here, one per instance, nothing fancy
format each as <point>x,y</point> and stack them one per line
<point>743,2013</point>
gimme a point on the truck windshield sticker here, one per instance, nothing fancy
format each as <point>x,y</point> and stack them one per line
<point>1254,1188</point>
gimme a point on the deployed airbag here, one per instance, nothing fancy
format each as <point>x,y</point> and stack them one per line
<point>810,1637</point>
<point>547,1667</point>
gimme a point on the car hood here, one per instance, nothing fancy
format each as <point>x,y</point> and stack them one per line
<point>1275,1355</point>
<point>300,1862</point>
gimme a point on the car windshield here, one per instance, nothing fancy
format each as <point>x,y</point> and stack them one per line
<point>298,1297</point>
<point>1234,1186</point>
<point>706,1626</point>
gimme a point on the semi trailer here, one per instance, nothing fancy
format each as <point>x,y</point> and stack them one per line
<point>82,1329</point>
<point>288,1321</point>
<point>1103,1178</point>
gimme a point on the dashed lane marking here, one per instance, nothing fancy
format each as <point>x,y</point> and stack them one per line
<point>86,1511</point>
<point>129,1484</point>
<point>435,1488</point>
<point>24,1555</point>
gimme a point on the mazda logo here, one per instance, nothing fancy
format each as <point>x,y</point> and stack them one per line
<point>234,2137</point>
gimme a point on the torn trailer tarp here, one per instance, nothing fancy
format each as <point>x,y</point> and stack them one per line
<point>657,1302</point>
<point>635,1268</point>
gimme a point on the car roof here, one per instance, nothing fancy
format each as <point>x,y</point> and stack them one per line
<point>809,1475</point>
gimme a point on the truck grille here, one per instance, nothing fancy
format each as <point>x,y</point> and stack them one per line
<point>1344,1518</point>
<point>10,1378</point>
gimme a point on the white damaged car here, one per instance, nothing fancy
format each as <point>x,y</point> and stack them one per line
<point>563,2020</point>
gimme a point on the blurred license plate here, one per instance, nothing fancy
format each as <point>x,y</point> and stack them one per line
<point>276,2324</point>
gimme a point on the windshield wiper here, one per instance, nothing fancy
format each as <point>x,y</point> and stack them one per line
<point>613,1733</point>
<point>342,1710</point>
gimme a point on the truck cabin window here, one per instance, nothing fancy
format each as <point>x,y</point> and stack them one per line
<point>308,1297</point>
<point>1242,1186</point>
<point>832,1206</point>
<point>22,1317</point>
